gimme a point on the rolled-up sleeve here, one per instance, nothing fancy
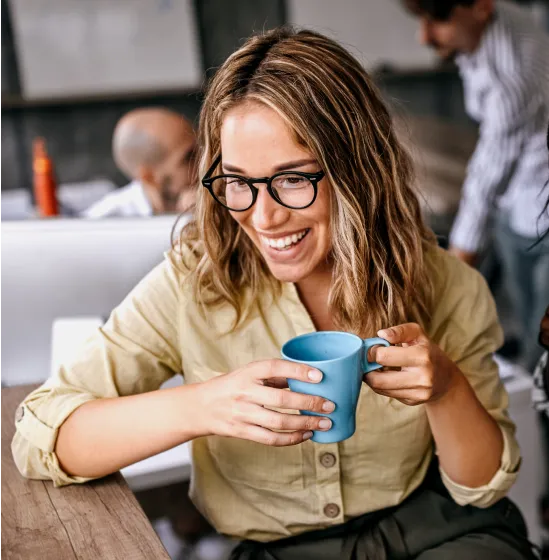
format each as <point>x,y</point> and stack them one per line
<point>134,352</point>
<point>497,488</point>
<point>470,335</point>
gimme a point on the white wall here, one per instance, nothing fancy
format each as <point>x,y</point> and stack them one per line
<point>376,31</point>
<point>83,47</point>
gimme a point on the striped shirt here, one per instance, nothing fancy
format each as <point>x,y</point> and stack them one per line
<point>539,394</point>
<point>127,202</point>
<point>506,84</point>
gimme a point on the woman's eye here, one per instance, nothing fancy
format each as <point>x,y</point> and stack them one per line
<point>233,182</point>
<point>295,181</point>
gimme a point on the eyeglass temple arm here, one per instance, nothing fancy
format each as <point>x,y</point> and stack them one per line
<point>213,166</point>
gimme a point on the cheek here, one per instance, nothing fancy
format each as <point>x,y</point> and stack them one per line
<point>449,36</point>
<point>324,208</point>
<point>242,219</point>
<point>322,218</point>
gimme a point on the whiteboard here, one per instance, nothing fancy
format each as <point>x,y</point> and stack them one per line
<point>87,47</point>
<point>375,31</point>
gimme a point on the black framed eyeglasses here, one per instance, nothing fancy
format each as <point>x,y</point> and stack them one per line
<point>293,189</point>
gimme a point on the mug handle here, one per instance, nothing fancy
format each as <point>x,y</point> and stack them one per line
<point>367,344</point>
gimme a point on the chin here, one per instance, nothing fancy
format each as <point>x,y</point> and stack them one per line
<point>287,273</point>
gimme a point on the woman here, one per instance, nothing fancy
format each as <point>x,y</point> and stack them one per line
<point>310,223</point>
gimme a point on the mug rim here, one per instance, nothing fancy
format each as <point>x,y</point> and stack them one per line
<point>317,333</point>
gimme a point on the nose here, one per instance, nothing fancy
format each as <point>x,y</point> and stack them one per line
<point>267,213</point>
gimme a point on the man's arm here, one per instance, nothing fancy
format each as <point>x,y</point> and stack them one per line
<point>510,119</point>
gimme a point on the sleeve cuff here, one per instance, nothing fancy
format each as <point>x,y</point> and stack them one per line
<point>38,433</point>
<point>497,488</point>
<point>470,240</point>
<point>33,430</point>
<point>34,444</point>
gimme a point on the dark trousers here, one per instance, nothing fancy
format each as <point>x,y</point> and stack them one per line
<point>428,525</point>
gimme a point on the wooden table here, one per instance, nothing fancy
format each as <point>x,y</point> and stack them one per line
<point>98,520</point>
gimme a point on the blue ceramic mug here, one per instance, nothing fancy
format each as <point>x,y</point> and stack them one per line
<point>343,360</point>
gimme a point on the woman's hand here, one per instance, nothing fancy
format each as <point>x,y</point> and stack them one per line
<point>426,373</point>
<point>469,441</point>
<point>237,404</point>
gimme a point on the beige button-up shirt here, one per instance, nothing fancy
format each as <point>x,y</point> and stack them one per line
<point>249,490</point>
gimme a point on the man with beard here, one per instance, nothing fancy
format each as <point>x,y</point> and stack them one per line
<point>503,61</point>
<point>156,148</point>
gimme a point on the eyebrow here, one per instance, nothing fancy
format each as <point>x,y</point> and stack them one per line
<point>282,167</point>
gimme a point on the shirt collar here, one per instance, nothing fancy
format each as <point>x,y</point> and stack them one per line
<point>140,199</point>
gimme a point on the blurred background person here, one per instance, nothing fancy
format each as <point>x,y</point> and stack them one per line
<point>156,148</point>
<point>503,61</point>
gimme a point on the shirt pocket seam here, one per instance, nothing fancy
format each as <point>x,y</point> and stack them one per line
<point>290,483</point>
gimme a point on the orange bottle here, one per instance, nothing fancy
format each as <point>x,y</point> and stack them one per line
<point>44,180</point>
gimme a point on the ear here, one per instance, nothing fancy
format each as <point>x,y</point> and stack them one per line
<point>483,10</point>
<point>146,176</point>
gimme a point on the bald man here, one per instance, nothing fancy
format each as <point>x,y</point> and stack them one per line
<point>155,147</point>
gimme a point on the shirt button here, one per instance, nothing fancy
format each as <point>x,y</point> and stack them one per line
<point>327,460</point>
<point>19,413</point>
<point>331,510</point>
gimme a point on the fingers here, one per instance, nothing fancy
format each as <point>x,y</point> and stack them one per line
<point>409,333</point>
<point>396,380</point>
<point>397,356</point>
<point>277,439</point>
<point>268,369</point>
<point>289,422</point>
<point>276,398</point>
<point>410,397</point>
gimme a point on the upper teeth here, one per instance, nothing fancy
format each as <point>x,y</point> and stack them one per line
<point>282,242</point>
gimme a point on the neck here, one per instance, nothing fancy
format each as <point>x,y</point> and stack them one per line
<point>314,292</point>
<point>481,31</point>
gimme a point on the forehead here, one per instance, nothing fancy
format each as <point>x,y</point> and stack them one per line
<point>254,135</point>
<point>255,120</point>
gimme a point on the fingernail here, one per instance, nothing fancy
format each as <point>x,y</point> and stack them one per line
<point>384,333</point>
<point>314,375</point>
<point>328,406</point>
<point>325,424</point>
<point>307,435</point>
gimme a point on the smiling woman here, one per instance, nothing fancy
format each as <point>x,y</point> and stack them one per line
<point>307,222</point>
<point>272,108</point>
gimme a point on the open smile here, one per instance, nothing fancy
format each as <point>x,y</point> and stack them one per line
<point>284,243</point>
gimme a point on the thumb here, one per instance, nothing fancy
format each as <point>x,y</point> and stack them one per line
<point>409,333</point>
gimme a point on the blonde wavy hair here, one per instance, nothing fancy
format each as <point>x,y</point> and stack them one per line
<point>379,240</point>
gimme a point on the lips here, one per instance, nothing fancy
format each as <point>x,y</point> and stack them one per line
<point>283,243</point>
